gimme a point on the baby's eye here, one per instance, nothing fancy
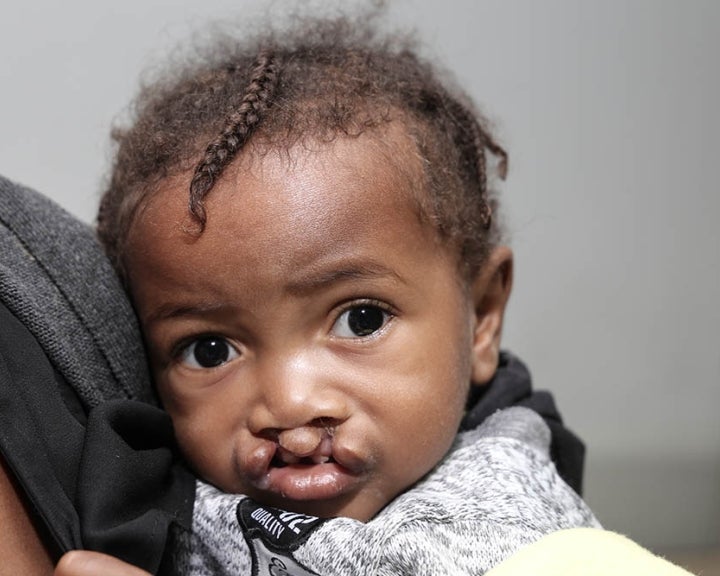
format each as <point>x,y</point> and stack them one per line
<point>208,352</point>
<point>360,321</point>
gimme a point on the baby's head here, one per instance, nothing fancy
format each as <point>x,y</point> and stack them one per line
<point>304,225</point>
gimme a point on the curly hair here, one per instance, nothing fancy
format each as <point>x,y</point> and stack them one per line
<point>324,79</point>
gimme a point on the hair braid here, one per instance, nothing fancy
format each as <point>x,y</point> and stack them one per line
<point>238,127</point>
<point>474,141</point>
<point>325,79</point>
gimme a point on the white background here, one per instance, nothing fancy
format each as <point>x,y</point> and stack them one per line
<point>609,111</point>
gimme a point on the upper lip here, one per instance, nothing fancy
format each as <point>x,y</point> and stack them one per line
<point>268,454</point>
<point>322,453</point>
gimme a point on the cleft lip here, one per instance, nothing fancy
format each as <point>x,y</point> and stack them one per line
<point>329,471</point>
<point>281,461</point>
<point>256,464</point>
<point>290,454</point>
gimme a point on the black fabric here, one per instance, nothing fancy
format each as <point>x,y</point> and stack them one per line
<point>512,386</point>
<point>112,483</point>
<point>132,485</point>
<point>40,438</point>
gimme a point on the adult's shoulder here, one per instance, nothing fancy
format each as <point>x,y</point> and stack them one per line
<point>68,342</point>
<point>56,280</point>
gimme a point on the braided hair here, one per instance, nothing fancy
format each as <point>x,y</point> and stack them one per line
<point>239,126</point>
<point>323,80</point>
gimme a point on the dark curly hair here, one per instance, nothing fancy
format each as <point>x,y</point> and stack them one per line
<point>323,79</point>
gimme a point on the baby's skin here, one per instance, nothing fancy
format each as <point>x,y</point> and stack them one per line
<point>315,345</point>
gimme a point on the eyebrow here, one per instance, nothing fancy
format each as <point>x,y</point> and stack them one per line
<point>171,310</point>
<point>316,280</point>
<point>311,282</point>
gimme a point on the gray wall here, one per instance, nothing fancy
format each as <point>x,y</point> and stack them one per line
<point>608,110</point>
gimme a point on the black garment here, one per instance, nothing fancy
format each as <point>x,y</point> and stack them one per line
<point>42,431</point>
<point>512,386</point>
<point>111,482</point>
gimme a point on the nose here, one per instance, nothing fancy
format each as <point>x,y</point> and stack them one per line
<point>298,400</point>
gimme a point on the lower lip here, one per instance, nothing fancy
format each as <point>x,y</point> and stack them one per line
<point>309,482</point>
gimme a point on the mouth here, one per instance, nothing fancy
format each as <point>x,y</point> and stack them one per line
<point>281,461</point>
<point>303,481</point>
<point>320,476</point>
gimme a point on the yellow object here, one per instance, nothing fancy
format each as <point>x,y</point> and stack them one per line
<point>586,552</point>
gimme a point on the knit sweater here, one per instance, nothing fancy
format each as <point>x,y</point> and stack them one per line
<point>495,492</point>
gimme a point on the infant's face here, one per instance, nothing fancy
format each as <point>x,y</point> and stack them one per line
<point>313,345</point>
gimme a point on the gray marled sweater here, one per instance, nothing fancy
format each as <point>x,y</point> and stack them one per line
<point>496,491</point>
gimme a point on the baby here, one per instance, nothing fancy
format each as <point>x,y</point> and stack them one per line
<point>306,227</point>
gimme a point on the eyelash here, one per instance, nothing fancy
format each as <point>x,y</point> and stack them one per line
<point>387,311</point>
<point>183,349</point>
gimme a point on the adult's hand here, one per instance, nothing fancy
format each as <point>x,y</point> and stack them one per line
<point>21,548</point>
<point>85,563</point>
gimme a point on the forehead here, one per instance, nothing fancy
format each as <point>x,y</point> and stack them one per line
<point>315,198</point>
<point>312,176</point>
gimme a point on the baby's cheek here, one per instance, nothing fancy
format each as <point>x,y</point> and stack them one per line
<point>205,462</point>
<point>426,439</point>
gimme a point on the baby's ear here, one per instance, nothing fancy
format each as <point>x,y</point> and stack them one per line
<point>490,292</point>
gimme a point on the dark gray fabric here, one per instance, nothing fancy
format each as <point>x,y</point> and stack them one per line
<point>55,279</point>
<point>96,461</point>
